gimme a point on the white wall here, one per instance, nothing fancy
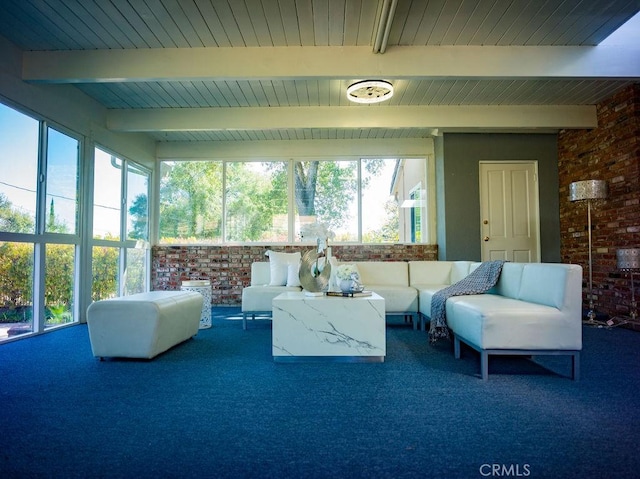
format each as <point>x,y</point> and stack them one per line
<point>229,150</point>
<point>67,106</point>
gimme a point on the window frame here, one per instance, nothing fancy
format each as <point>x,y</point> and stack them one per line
<point>40,238</point>
<point>428,180</point>
<point>123,243</point>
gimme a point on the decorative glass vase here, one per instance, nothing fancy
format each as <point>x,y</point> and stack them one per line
<point>346,285</point>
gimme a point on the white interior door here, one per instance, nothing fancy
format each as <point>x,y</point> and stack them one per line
<point>509,211</point>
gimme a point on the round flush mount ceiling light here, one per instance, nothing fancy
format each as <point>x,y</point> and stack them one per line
<point>370,91</point>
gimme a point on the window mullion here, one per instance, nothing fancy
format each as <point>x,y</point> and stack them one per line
<point>123,229</point>
<point>359,194</point>
<point>41,193</point>
<point>39,251</point>
<point>123,201</point>
<point>223,229</point>
<point>291,202</point>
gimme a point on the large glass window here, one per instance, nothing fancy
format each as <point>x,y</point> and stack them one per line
<point>256,202</point>
<point>327,192</point>
<point>107,196</point>
<point>135,273</point>
<point>62,183</point>
<point>105,265</point>
<point>120,246</point>
<point>19,142</point>
<point>270,201</point>
<point>137,204</point>
<point>16,289</point>
<point>416,210</point>
<point>412,197</point>
<point>59,284</point>
<point>191,201</point>
<point>39,225</point>
<point>380,213</point>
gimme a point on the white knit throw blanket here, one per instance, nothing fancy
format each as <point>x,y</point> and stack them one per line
<point>479,281</point>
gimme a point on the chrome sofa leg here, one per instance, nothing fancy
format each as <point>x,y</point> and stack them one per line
<point>575,366</point>
<point>484,365</point>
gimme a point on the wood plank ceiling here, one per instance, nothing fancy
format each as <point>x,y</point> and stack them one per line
<point>465,31</point>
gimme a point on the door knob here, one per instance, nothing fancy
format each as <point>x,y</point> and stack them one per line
<point>486,238</point>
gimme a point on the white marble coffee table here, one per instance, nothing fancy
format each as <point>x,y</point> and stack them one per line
<point>325,328</point>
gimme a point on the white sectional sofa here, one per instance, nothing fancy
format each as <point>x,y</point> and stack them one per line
<point>389,279</point>
<point>427,277</point>
<point>257,297</point>
<point>534,309</point>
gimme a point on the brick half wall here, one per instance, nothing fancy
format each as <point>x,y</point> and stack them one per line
<point>229,267</point>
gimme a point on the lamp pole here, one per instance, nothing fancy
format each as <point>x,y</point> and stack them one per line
<point>589,190</point>
<point>591,314</point>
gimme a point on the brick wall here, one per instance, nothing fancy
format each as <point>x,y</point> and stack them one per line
<point>229,267</point>
<point>609,152</point>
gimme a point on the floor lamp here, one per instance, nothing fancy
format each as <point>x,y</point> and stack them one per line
<point>589,190</point>
<point>628,260</point>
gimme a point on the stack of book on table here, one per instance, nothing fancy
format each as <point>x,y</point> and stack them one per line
<point>352,294</point>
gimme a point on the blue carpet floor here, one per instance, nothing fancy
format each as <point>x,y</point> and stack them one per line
<point>217,406</point>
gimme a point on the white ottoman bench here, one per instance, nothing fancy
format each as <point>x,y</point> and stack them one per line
<point>143,325</point>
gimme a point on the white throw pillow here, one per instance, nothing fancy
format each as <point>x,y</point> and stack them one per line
<point>293,275</point>
<point>279,266</point>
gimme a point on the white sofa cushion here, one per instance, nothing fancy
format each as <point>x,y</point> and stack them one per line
<point>429,277</point>
<point>389,279</point>
<point>397,299</point>
<point>508,284</point>
<point>258,298</point>
<point>425,295</point>
<point>461,269</point>
<point>495,322</point>
<point>279,266</point>
<point>383,273</point>
<point>543,284</point>
<point>430,272</point>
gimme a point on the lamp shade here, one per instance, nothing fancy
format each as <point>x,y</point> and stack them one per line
<point>628,258</point>
<point>588,190</point>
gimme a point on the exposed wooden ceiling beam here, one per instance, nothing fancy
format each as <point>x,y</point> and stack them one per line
<point>389,148</point>
<point>479,62</point>
<point>442,117</point>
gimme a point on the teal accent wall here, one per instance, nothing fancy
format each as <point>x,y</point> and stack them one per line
<point>457,180</point>
<point>441,223</point>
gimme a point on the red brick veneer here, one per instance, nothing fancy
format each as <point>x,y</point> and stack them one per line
<point>229,267</point>
<point>609,152</point>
